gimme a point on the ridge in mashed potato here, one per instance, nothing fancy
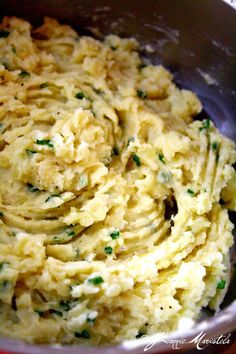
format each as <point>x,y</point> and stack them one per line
<point>111,224</point>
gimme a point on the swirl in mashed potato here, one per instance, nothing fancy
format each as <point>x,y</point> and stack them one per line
<point>111,224</point>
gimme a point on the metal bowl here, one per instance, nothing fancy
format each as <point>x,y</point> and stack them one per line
<point>196,41</point>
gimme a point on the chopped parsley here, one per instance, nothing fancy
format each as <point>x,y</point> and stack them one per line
<point>84,334</point>
<point>221,284</point>
<point>215,146</point>
<point>90,320</point>
<point>113,48</point>
<point>39,312</point>
<point>96,280</point>
<point>43,85</point>
<point>5,285</point>
<point>80,95</point>
<point>142,66</point>
<point>136,160</point>
<point>32,188</point>
<point>161,158</point>
<point>115,234</point>
<point>65,305</point>
<point>1,214</point>
<point>115,151</point>
<point>108,250</point>
<point>6,65</point>
<point>23,74</point>
<point>31,152</point>
<point>13,49</point>
<point>70,233</point>
<point>206,124</point>
<point>56,312</point>
<point>52,311</point>
<point>141,94</point>
<point>52,196</point>
<point>45,142</point>
<point>4,34</point>
<point>191,192</point>
<point>57,239</point>
<point>65,236</point>
<point>140,334</point>
<point>3,265</point>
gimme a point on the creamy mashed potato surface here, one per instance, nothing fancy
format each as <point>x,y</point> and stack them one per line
<point>111,224</point>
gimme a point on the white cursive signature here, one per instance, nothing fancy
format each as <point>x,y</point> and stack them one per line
<point>200,341</point>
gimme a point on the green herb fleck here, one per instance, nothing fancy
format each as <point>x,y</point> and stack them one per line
<point>140,334</point>
<point>141,94</point>
<point>215,146</point>
<point>56,312</point>
<point>115,234</point>
<point>108,250</point>
<point>96,280</point>
<point>1,214</point>
<point>90,320</point>
<point>44,85</point>
<point>206,124</point>
<point>70,233</point>
<point>136,160</point>
<point>3,265</point>
<point>32,188</point>
<point>221,284</point>
<point>39,312</point>
<point>64,305</point>
<point>45,142</point>
<point>13,49</point>
<point>142,66</point>
<point>113,48</point>
<point>191,192</point>
<point>23,74</point>
<point>4,34</point>
<point>30,152</point>
<point>80,95</point>
<point>161,158</point>
<point>52,196</point>
<point>5,285</point>
<point>115,151</point>
<point>6,65</point>
<point>84,334</point>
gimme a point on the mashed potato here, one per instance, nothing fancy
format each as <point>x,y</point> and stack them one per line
<point>111,224</point>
